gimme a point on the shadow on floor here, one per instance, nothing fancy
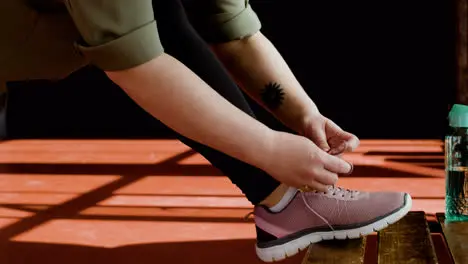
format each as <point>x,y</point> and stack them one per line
<point>225,252</point>
<point>131,170</point>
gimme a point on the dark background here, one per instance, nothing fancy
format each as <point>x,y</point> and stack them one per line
<point>379,69</point>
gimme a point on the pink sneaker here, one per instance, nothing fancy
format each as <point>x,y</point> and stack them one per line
<point>311,217</point>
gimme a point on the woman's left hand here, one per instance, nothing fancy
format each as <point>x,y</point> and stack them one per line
<point>328,136</point>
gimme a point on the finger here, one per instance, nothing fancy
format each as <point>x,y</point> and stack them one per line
<point>352,142</point>
<point>326,177</point>
<point>339,136</point>
<point>336,164</point>
<point>352,169</point>
<point>336,149</point>
<point>320,139</point>
<point>314,185</point>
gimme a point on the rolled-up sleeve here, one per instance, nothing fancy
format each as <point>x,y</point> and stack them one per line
<point>225,20</point>
<point>116,34</point>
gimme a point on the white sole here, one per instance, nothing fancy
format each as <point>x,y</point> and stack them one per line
<point>291,248</point>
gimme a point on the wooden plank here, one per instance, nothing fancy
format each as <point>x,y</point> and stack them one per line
<point>456,235</point>
<point>407,241</point>
<point>336,251</point>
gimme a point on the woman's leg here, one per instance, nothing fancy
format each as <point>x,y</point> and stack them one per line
<point>181,41</point>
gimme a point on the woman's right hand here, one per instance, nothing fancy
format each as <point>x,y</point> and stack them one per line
<point>296,161</point>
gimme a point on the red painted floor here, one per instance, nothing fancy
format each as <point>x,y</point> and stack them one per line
<point>157,201</point>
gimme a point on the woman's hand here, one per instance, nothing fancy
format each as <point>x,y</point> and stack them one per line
<point>328,136</point>
<point>296,161</point>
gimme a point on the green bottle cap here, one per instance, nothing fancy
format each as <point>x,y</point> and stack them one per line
<point>458,116</point>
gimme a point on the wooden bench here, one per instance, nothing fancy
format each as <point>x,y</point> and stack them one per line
<point>407,241</point>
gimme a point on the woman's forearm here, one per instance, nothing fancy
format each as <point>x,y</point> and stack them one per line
<point>262,72</point>
<point>177,97</point>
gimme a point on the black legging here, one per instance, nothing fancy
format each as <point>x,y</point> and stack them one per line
<point>181,41</point>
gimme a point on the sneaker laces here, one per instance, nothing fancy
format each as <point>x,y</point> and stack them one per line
<point>339,191</point>
<point>313,211</point>
<point>332,190</point>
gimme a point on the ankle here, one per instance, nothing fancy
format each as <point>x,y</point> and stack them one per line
<point>276,196</point>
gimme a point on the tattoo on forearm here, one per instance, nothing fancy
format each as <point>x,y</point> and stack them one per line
<point>272,95</point>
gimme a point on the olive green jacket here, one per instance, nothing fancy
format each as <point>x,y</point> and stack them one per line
<point>111,34</point>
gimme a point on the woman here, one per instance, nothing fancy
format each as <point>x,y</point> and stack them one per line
<point>158,54</point>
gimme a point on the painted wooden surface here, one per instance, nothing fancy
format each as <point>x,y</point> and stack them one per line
<point>156,201</point>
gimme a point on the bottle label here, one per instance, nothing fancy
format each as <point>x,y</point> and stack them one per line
<point>456,188</point>
<point>456,153</point>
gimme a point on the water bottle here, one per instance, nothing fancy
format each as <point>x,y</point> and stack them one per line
<point>456,165</point>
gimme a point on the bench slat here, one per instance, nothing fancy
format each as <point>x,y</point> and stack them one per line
<point>456,235</point>
<point>336,251</point>
<point>407,241</point>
